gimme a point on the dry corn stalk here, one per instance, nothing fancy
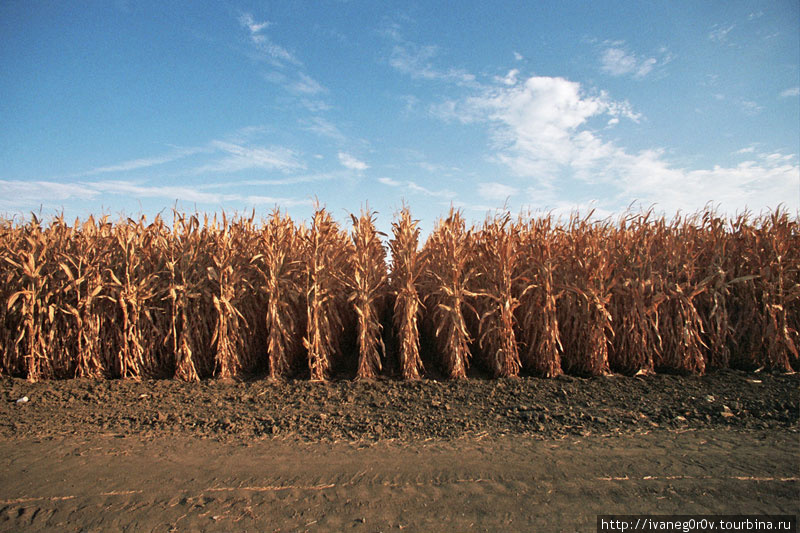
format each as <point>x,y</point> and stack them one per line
<point>188,294</point>
<point>31,298</point>
<point>132,282</point>
<point>82,262</point>
<point>232,282</point>
<point>281,269</point>
<point>447,292</point>
<point>682,282</point>
<point>407,265</point>
<point>636,296</point>
<point>367,285</point>
<point>132,299</point>
<point>765,313</point>
<point>584,318</point>
<point>498,255</point>
<point>326,251</point>
<point>538,311</point>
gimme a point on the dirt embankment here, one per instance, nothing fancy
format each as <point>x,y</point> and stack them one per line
<point>507,455</point>
<point>406,411</point>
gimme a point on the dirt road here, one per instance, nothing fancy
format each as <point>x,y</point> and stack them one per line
<point>526,455</point>
<point>107,483</point>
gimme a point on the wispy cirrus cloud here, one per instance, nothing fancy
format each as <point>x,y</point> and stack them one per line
<point>791,92</point>
<point>142,163</point>
<point>617,60</point>
<point>296,82</point>
<point>23,195</point>
<point>748,107</point>
<point>719,33</point>
<point>416,61</point>
<point>238,157</point>
<point>496,191</point>
<point>414,187</point>
<point>264,47</point>
<point>289,70</point>
<point>324,128</point>
<point>237,152</point>
<point>352,163</point>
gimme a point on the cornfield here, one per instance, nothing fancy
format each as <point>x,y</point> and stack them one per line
<point>235,297</point>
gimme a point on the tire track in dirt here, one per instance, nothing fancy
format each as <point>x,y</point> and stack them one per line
<point>102,483</point>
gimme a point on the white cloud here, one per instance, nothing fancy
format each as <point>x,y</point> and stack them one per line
<point>719,33</point>
<point>390,182</point>
<point>510,78</point>
<point>541,130</point>
<point>145,162</point>
<point>289,180</point>
<point>415,60</point>
<point>413,187</point>
<point>315,106</point>
<point>518,56</point>
<point>618,62</point>
<point>296,83</point>
<point>496,191</point>
<point>245,157</point>
<point>536,123</point>
<point>267,50</point>
<point>22,195</point>
<point>307,85</point>
<point>255,200</point>
<point>230,155</point>
<point>324,128</point>
<point>348,161</point>
<point>750,107</point>
<point>791,92</point>
<point>182,193</point>
<point>16,193</point>
<point>255,27</point>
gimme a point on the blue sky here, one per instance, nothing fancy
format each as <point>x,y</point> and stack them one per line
<point>131,107</point>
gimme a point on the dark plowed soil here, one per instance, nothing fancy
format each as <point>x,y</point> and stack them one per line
<point>405,411</point>
<point>479,455</point>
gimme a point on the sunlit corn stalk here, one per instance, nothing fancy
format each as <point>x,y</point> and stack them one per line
<point>367,284</point>
<point>537,315</point>
<point>407,264</point>
<point>635,298</point>
<point>498,255</point>
<point>326,250</point>
<point>81,261</point>
<point>447,292</point>
<point>9,241</point>
<point>250,301</point>
<point>717,260</point>
<point>187,289</point>
<point>132,279</point>
<point>230,285</point>
<point>584,318</point>
<point>30,299</point>
<point>280,264</point>
<point>780,279</point>
<point>682,282</point>
<point>766,308</point>
<point>56,329</point>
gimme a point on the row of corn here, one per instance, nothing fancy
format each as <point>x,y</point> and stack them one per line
<point>229,297</point>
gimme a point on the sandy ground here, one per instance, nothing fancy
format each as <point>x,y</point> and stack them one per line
<point>514,455</point>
